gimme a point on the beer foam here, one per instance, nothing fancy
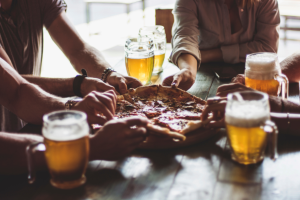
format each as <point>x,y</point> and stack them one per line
<point>246,114</point>
<point>65,130</point>
<point>262,66</point>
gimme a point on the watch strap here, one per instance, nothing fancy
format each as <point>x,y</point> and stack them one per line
<point>77,83</point>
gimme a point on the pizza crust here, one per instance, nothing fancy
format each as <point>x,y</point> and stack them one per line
<point>165,132</point>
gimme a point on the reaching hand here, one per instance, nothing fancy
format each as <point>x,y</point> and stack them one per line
<point>240,78</point>
<point>117,138</point>
<point>122,83</point>
<point>217,107</point>
<point>94,84</point>
<point>184,79</point>
<point>99,107</point>
<point>223,90</point>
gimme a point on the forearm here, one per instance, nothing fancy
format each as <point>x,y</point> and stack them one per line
<point>62,87</point>
<point>291,67</point>
<point>287,123</point>
<point>34,104</point>
<point>189,62</point>
<point>12,152</point>
<point>90,59</point>
<point>211,55</point>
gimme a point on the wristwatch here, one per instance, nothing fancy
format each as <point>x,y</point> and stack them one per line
<point>71,103</point>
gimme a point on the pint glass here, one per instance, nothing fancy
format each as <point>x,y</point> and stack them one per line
<point>139,58</point>
<point>263,73</point>
<point>158,35</point>
<point>66,145</point>
<point>247,118</point>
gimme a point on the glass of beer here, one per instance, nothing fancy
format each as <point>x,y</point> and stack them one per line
<point>263,73</point>
<point>66,146</point>
<point>247,118</point>
<point>158,35</point>
<point>139,58</point>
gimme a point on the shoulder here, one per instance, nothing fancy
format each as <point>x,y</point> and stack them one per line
<point>265,5</point>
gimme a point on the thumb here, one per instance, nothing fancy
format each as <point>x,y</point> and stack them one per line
<point>176,81</point>
<point>122,86</point>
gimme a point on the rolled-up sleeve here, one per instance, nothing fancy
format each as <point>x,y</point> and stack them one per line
<point>185,31</point>
<point>266,38</point>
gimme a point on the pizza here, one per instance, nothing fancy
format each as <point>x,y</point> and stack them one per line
<point>172,112</point>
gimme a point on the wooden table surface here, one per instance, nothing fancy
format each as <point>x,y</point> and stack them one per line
<point>202,171</point>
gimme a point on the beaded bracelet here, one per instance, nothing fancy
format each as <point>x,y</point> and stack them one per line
<point>106,72</point>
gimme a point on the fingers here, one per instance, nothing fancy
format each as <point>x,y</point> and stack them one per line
<point>95,119</point>
<point>176,80</point>
<point>136,121</point>
<point>122,85</point>
<point>214,100</point>
<point>112,95</point>
<point>94,99</point>
<point>139,132</point>
<point>108,100</point>
<point>132,82</point>
<point>216,124</point>
<point>167,81</point>
<point>214,107</point>
<point>240,78</point>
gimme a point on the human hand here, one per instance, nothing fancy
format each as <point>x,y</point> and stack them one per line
<point>94,84</point>
<point>99,107</point>
<point>122,83</point>
<point>216,105</point>
<point>183,79</point>
<point>223,90</point>
<point>240,78</point>
<point>117,138</point>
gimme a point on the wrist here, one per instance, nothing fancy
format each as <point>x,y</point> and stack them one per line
<point>78,82</point>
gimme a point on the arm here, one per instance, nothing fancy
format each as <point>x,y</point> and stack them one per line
<point>62,87</point>
<point>282,119</point>
<point>30,103</point>
<point>291,67</point>
<point>265,38</point>
<point>109,143</point>
<point>82,55</point>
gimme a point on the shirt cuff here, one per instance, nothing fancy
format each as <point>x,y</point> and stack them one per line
<point>190,50</point>
<point>231,53</point>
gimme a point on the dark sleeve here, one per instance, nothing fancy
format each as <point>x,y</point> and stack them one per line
<point>51,9</point>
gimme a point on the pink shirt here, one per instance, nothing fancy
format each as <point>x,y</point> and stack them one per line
<point>205,24</point>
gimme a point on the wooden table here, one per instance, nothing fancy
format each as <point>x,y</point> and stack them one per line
<point>202,171</point>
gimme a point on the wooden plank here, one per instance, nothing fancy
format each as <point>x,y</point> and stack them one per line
<point>198,173</point>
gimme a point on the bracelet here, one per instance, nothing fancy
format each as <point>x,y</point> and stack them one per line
<point>288,122</point>
<point>106,72</point>
<point>77,83</point>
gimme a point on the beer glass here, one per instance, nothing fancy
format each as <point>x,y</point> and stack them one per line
<point>139,58</point>
<point>66,146</point>
<point>263,73</point>
<point>247,118</point>
<point>158,35</point>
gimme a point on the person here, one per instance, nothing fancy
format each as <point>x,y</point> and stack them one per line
<point>284,113</point>
<point>220,31</point>
<point>29,102</point>
<point>21,38</point>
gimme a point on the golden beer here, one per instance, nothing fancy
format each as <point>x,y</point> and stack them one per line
<point>245,116</point>
<point>271,87</point>
<point>263,73</point>
<point>158,35</point>
<point>140,68</point>
<point>67,161</point>
<point>247,143</point>
<point>158,62</point>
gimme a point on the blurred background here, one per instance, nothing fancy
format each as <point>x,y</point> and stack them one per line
<point>109,26</point>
